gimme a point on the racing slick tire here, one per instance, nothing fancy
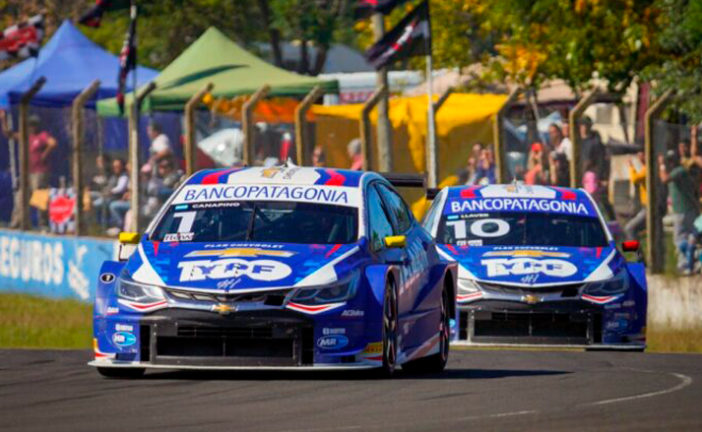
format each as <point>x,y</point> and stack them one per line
<point>121,373</point>
<point>437,362</point>
<point>390,319</point>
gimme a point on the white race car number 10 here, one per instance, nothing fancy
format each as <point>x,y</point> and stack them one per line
<point>480,228</point>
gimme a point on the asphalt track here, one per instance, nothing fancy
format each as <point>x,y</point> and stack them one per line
<point>480,390</point>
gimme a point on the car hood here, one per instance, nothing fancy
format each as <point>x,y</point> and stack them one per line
<point>232,267</point>
<point>534,266</point>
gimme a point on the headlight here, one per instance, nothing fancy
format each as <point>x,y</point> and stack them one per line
<point>467,286</point>
<point>137,292</point>
<point>616,285</point>
<point>337,292</point>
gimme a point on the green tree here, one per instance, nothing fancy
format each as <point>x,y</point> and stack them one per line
<point>681,44</point>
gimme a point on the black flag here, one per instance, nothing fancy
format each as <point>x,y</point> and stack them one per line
<point>22,39</point>
<point>93,16</point>
<point>410,37</point>
<point>127,59</point>
<point>365,8</point>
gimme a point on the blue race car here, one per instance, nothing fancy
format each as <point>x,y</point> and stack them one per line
<point>283,267</point>
<point>537,265</point>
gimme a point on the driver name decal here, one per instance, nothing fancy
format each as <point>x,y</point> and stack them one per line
<point>260,270</point>
<point>527,266</point>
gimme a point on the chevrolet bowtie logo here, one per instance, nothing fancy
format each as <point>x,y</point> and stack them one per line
<point>223,309</point>
<point>240,252</point>
<point>531,299</point>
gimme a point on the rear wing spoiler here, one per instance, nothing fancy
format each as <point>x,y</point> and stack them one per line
<point>405,180</point>
<point>411,181</point>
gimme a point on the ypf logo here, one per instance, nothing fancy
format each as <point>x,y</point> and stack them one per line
<point>529,266</point>
<point>261,270</point>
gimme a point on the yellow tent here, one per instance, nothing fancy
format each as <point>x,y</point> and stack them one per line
<point>463,120</point>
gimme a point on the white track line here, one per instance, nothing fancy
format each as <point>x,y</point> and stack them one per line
<point>684,382</point>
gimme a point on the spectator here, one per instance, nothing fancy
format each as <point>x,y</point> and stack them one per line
<point>466,174</point>
<point>319,158</point>
<point>566,146</point>
<point>354,152</point>
<point>559,172</point>
<point>485,169</point>
<point>637,176</point>
<point>536,169</point>
<point>119,196</point>
<point>98,186</point>
<point>160,144</point>
<point>684,204</point>
<point>41,146</point>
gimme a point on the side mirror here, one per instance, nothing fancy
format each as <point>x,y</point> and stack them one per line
<point>399,241</point>
<point>128,242</point>
<point>631,246</point>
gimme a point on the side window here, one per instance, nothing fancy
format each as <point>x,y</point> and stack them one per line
<point>433,212</point>
<point>378,223</point>
<point>399,213</point>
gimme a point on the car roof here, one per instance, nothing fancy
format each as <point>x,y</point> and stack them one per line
<point>290,175</point>
<point>517,190</point>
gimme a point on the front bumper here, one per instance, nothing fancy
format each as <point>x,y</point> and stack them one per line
<point>566,323</point>
<point>266,339</point>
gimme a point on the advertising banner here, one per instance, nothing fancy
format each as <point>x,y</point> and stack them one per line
<point>52,266</point>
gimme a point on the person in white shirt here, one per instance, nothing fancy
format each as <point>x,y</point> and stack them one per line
<point>566,146</point>
<point>160,144</point>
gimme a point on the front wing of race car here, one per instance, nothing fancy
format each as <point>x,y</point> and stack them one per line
<point>560,316</point>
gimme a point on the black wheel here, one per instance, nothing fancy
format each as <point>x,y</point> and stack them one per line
<point>437,362</point>
<point>124,373</point>
<point>389,330</point>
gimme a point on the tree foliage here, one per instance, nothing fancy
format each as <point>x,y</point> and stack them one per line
<point>680,68</point>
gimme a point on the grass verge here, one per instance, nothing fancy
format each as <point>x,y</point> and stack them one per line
<point>28,321</point>
<point>35,322</point>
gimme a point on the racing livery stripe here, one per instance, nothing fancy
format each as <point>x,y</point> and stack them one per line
<point>144,307</point>
<point>598,299</point>
<point>313,310</point>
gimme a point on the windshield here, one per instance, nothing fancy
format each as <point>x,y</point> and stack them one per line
<point>271,221</point>
<point>521,229</point>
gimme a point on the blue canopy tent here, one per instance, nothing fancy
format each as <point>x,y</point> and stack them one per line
<point>70,62</point>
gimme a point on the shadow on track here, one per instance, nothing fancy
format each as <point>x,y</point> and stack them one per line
<point>360,375</point>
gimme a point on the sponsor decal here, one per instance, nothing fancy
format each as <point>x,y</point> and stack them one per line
<point>527,253</point>
<point>224,192</point>
<point>107,277</point>
<point>124,327</point>
<point>240,252</point>
<point>332,342</point>
<point>373,348</point>
<point>333,331</point>
<point>526,266</point>
<point>123,339</point>
<point>179,237</point>
<point>352,313</point>
<point>260,270</point>
<point>518,204</point>
<point>112,310</point>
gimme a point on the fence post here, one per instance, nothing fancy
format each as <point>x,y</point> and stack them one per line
<point>24,153</point>
<point>190,107</point>
<point>365,126</point>
<point>654,221</point>
<point>383,127</point>
<point>301,122</point>
<point>77,122</point>
<point>247,122</point>
<point>573,118</point>
<point>134,156</point>
<point>433,153</point>
<point>499,137</point>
